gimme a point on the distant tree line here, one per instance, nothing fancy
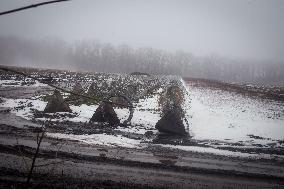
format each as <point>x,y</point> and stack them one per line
<point>102,57</point>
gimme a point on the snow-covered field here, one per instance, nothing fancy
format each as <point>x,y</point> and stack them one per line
<point>216,119</point>
<point>230,117</point>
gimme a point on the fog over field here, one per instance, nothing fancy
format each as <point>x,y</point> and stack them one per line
<point>228,40</point>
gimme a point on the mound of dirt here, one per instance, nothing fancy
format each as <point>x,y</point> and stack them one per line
<point>56,103</point>
<point>105,113</point>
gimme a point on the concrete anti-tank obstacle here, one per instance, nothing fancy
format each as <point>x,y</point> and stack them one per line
<point>56,103</point>
<point>172,115</point>
<point>105,113</point>
<point>77,89</point>
<point>98,89</point>
<point>92,89</point>
<point>171,122</point>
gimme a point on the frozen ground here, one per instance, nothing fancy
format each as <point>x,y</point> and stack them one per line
<point>230,117</point>
<point>234,139</point>
<point>219,122</point>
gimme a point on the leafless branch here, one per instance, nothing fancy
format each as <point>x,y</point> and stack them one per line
<point>39,140</point>
<point>21,154</point>
<point>59,148</point>
<point>30,6</point>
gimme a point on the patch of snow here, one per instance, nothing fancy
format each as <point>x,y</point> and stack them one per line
<point>27,104</point>
<point>219,152</point>
<point>100,139</point>
<point>146,112</point>
<point>145,118</point>
<point>12,83</point>
<point>136,130</point>
<point>7,83</point>
<point>122,113</point>
<point>37,84</point>
<point>150,103</point>
<point>84,112</point>
<point>186,104</point>
<point>221,115</point>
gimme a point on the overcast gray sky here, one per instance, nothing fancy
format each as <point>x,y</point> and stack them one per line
<point>236,28</point>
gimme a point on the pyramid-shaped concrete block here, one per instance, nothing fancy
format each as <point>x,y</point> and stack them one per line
<point>77,89</point>
<point>105,113</point>
<point>171,123</point>
<point>56,103</point>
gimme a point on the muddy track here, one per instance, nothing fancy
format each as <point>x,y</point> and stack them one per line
<point>80,158</point>
<point>115,175</point>
<point>12,178</point>
<point>115,172</point>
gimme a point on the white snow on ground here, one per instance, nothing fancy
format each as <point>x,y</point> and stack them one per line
<point>145,116</point>
<point>220,152</point>
<point>84,112</point>
<point>38,84</point>
<point>212,115</point>
<point>186,104</point>
<point>24,112</point>
<point>141,116</point>
<point>225,116</point>
<point>100,139</point>
<point>136,130</point>
<point>12,83</point>
<point>150,103</point>
<point>146,113</point>
<point>9,83</point>
<point>122,113</point>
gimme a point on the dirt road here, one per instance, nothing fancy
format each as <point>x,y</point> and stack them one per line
<point>99,173</point>
<point>75,165</point>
